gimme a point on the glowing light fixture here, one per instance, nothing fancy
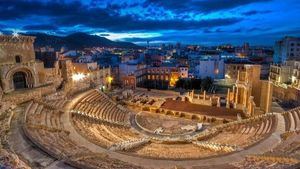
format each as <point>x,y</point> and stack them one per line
<point>78,76</point>
<point>110,79</point>
<point>15,34</point>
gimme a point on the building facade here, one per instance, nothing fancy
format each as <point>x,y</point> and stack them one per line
<point>18,67</point>
<point>27,77</point>
<point>280,73</point>
<point>213,68</point>
<point>160,77</point>
<point>286,49</point>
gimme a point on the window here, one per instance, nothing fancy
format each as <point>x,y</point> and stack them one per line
<point>18,59</point>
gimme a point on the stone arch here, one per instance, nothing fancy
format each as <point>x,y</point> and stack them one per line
<point>24,70</point>
<point>19,80</point>
<point>194,117</point>
<point>169,112</point>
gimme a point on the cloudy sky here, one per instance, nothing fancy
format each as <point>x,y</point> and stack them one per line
<point>207,22</point>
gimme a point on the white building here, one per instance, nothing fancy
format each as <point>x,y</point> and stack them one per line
<point>213,68</point>
<point>129,68</point>
<point>287,49</point>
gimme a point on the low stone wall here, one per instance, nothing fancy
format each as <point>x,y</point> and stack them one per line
<point>18,97</point>
<point>171,92</point>
<point>286,94</point>
<point>188,115</point>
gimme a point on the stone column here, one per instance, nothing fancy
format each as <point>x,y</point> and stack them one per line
<point>236,95</point>
<point>204,95</point>
<point>233,91</point>
<point>245,98</point>
<point>251,106</point>
<point>218,102</point>
<point>228,99</point>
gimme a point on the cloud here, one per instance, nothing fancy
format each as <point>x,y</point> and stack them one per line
<point>104,34</point>
<point>75,13</point>
<point>40,27</point>
<point>255,12</point>
<point>201,5</point>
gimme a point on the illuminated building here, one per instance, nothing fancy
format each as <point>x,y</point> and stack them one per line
<point>160,77</point>
<point>286,49</point>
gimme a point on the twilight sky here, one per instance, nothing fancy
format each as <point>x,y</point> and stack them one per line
<point>207,22</point>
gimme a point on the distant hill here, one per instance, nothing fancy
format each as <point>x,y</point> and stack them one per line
<point>78,41</point>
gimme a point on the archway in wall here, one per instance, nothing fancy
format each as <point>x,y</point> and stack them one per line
<point>19,80</point>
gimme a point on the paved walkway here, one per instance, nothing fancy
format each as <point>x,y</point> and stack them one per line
<point>265,145</point>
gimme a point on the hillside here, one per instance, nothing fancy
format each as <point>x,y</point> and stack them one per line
<point>78,41</point>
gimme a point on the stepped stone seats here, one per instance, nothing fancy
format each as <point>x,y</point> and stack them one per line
<point>174,151</point>
<point>43,128</point>
<point>98,105</point>
<point>289,147</point>
<point>57,144</point>
<point>292,119</point>
<point>101,161</point>
<point>244,134</point>
<point>56,103</point>
<point>216,147</point>
<point>259,163</point>
<point>129,144</point>
<point>104,134</point>
<point>38,114</point>
<point>56,100</point>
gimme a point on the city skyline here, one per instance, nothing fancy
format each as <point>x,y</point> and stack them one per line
<point>260,22</point>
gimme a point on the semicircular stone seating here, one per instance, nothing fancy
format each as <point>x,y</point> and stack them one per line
<point>245,132</point>
<point>44,127</point>
<point>103,122</point>
<point>107,133</point>
<point>97,105</point>
<point>292,119</point>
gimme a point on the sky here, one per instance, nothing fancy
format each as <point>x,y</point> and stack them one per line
<point>201,22</point>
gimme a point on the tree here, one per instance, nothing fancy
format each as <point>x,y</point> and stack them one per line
<point>179,83</point>
<point>206,83</point>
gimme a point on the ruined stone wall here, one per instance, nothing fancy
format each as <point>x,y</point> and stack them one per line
<point>12,46</point>
<point>286,94</point>
<point>27,95</point>
<point>266,96</point>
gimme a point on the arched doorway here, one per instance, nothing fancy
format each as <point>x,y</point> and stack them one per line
<point>19,80</point>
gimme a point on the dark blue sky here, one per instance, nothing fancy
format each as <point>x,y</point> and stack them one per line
<point>207,22</point>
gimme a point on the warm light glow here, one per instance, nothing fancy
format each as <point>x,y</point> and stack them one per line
<point>217,71</point>
<point>293,79</point>
<point>174,78</point>
<point>227,76</point>
<point>110,79</point>
<point>78,76</point>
